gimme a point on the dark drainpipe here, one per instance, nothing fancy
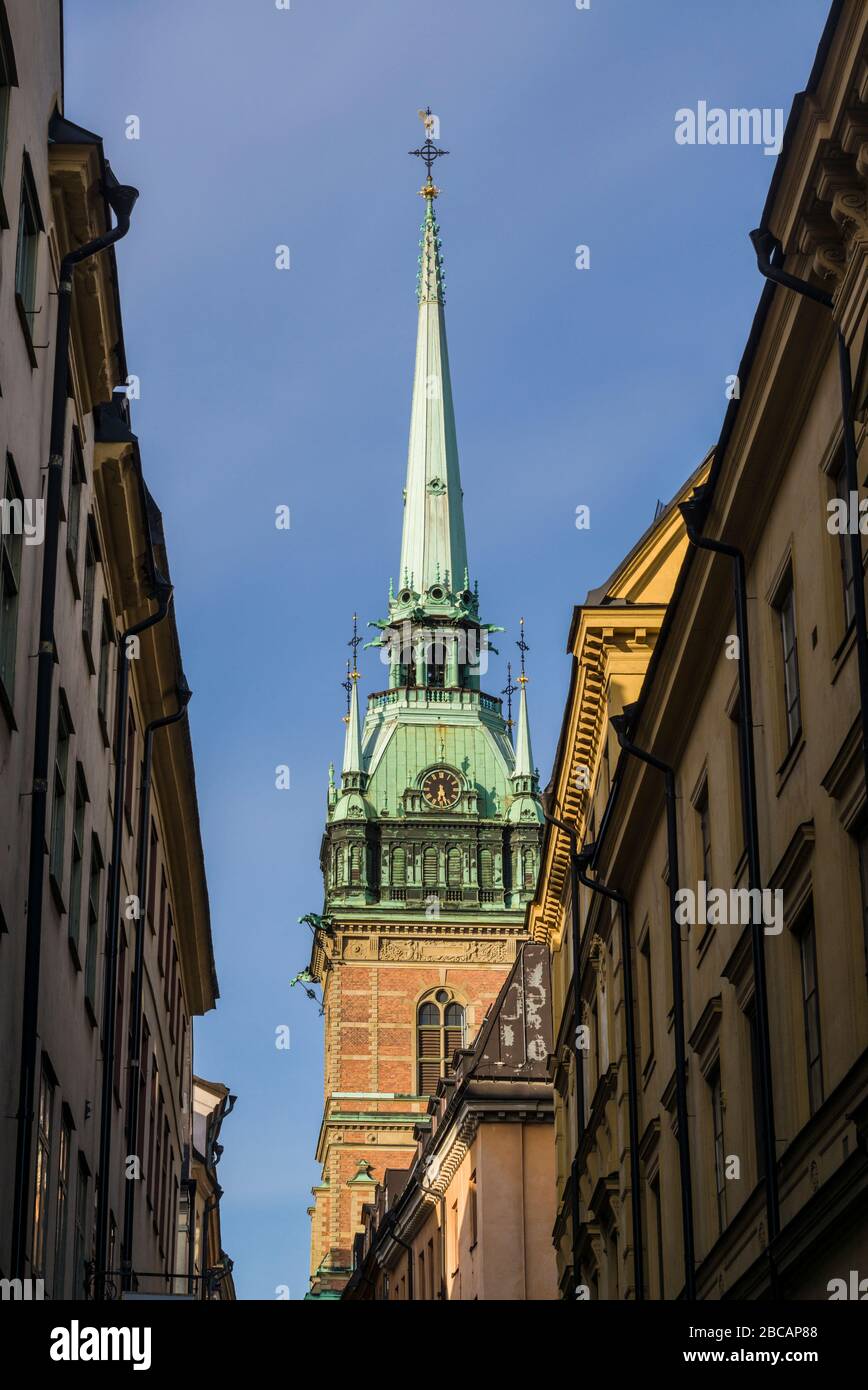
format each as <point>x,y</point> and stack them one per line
<point>163,597</point>
<point>121,199</point>
<point>621,724</point>
<point>398,1241</point>
<point>605,891</point>
<point>770,256</point>
<point>184,694</point>
<point>693,513</point>
<point>576,942</point>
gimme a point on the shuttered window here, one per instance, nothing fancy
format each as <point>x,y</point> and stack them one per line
<point>356,865</point>
<point>529,874</point>
<point>486,868</point>
<point>440,1032</point>
<point>453,868</point>
<point>399,866</point>
<point>429,867</point>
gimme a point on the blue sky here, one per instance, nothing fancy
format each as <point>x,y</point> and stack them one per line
<point>604,387</point>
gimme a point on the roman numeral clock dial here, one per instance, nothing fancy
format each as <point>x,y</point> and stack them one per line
<point>441,789</point>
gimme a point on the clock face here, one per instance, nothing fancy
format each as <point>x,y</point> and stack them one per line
<point>441,789</point>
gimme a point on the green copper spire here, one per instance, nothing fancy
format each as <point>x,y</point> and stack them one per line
<point>524,767</point>
<point>433,543</point>
<point>352,763</point>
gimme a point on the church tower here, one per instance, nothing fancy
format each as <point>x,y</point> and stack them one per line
<point>432,840</point>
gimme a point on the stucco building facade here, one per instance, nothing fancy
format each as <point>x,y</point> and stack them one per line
<point>713,1103</point>
<point>105,937</point>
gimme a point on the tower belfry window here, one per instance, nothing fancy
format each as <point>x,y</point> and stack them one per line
<point>439,1034</point>
<point>429,867</point>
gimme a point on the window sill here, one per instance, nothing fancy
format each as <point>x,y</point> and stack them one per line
<point>793,754</point>
<point>25,329</point>
<point>6,706</point>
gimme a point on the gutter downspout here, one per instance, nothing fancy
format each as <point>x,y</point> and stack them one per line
<point>769,254</point>
<point>621,723</point>
<point>163,597</point>
<point>632,1079</point>
<point>135,1061</point>
<point>121,199</point>
<point>691,511</point>
<point>576,942</point>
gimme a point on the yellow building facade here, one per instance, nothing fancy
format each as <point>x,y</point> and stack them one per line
<point>730,928</point>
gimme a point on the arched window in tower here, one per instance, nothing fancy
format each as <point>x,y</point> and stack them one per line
<point>356,865</point>
<point>486,868</point>
<point>429,867</point>
<point>439,1033</point>
<point>529,869</point>
<point>453,867</point>
<point>399,866</point>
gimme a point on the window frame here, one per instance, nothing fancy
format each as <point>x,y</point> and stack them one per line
<point>11,551</point>
<point>437,1031</point>
<point>27,258</point>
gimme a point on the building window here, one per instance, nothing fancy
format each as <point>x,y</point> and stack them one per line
<point>150,906</point>
<point>785,603</point>
<point>144,1058</point>
<point>750,1014</point>
<point>119,1014</point>
<point>399,866</point>
<point>164,909</point>
<point>93,917</point>
<point>657,1210</point>
<point>58,808</point>
<point>355,865</point>
<point>486,868</point>
<point>44,1120</point>
<point>91,557</point>
<point>704,829</point>
<point>719,1146</point>
<point>73,506</point>
<point>430,873</point>
<point>8,80</point>
<point>27,254</point>
<point>845,550</point>
<point>811,1011</point>
<point>77,858</point>
<point>529,870</point>
<point>129,783</point>
<point>106,647</point>
<point>453,867</point>
<point>863,880</point>
<point>472,1211</point>
<point>10,578</point>
<point>153,1137</point>
<point>79,1244</point>
<point>61,1217</point>
<point>646,997</point>
<point>439,1033</point>
<point>737,778</point>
